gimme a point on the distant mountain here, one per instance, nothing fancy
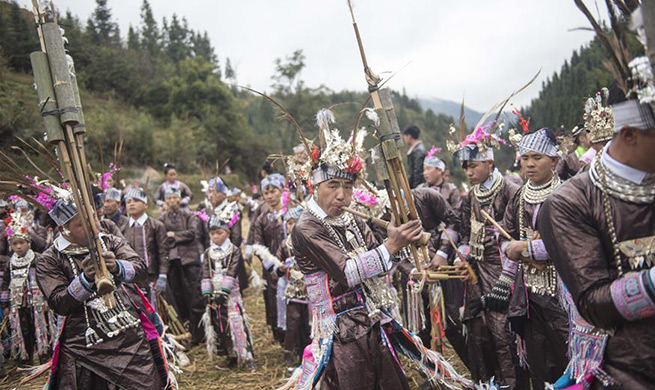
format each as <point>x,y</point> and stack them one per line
<point>449,107</point>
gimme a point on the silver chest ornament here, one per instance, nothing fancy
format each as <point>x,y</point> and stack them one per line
<point>217,256</point>
<point>640,252</point>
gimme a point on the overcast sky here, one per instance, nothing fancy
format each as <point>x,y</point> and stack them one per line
<point>483,49</point>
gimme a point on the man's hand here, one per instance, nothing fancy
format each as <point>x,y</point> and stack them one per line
<point>221,299</point>
<point>161,284</point>
<point>400,237</point>
<point>438,261</point>
<point>89,269</point>
<point>170,234</point>
<point>282,270</point>
<point>462,270</point>
<point>110,262</point>
<point>515,249</point>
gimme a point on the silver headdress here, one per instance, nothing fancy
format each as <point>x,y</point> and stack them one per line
<point>336,159</point>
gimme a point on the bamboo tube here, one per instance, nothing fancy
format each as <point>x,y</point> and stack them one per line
<point>496,225</point>
<point>462,258</point>
<point>432,276</point>
<point>73,162</point>
<point>46,94</point>
<point>425,236</point>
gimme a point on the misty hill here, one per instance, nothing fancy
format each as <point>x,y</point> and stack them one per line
<point>450,108</point>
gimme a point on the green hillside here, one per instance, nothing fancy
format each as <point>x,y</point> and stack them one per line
<point>164,91</point>
<point>562,96</point>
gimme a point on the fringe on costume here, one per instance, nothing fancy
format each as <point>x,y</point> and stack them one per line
<point>433,364</point>
<point>256,281</point>
<point>437,315</point>
<point>18,350</point>
<point>239,329</point>
<point>522,352</point>
<point>34,372</point>
<point>414,311</point>
<point>281,303</point>
<point>210,333</point>
<point>267,258</point>
<point>491,385</point>
<point>292,382</point>
<point>153,328</point>
<point>41,330</point>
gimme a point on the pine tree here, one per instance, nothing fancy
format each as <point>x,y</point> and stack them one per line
<point>562,96</point>
<point>177,40</point>
<point>133,39</point>
<point>19,39</point>
<point>101,28</point>
<point>150,34</point>
<point>230,73</point>
<point>202,47</point>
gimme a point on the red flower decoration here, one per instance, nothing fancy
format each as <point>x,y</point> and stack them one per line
<point>23,230</point>
<point>309,187</point>
<point>355,165</point>
<point>7,220</point>
<point>315,154</point>
<point>525,124</point>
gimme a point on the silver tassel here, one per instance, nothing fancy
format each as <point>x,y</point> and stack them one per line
<point>414,311</point>
<point>92,337</point>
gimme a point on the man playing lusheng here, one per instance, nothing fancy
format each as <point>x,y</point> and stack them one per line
<point>355,339</point>
<point>99,348</point>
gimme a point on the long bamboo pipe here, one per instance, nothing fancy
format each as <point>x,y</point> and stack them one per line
<point>425,236</point>
<point>538,265</point>
<point>462,258</point>
<point>496,224</point>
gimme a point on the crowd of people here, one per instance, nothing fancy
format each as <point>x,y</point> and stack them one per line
<point>561,261</point>
<point>540,277</point>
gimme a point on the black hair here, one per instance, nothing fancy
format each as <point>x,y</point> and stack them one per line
<point>168,167</point>
<point>98,196</point>
<point>272,187</point>
<point>465,163</point>
<point>412,131</point>
<point>616,94</point>
<point>268,167</point>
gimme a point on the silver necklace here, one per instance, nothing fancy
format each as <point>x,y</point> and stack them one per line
<point>341,221</point>
<point>217,255</point>
<point>485,196</point>
<point>534,194</point>
<point>620,188</point>
<point>542,282</point>
<point>21,262</point>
